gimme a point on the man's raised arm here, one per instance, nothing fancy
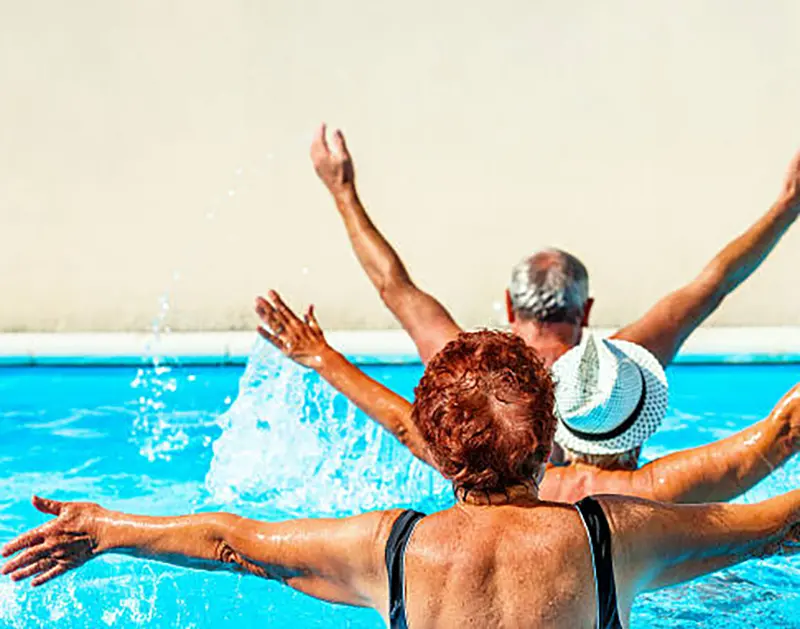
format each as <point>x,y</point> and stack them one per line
<point>668,324</point>
<point>424,318</point>
<point>304,342</point>
<point>334,560</point>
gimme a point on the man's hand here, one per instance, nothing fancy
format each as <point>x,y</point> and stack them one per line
<point>58,546</point>
<point>302,341</point>
<point>334,168</point>
<point>791,187</point>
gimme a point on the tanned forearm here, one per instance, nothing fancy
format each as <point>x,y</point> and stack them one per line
<point>424,318</point>
<point>379,260</point>
<point>380,403</point>
<point>664,328</point>
<point>327,559</point>
<point>695,540</point>
<point>203,540</point>
<point>739,259</point>
<point>720,471</point>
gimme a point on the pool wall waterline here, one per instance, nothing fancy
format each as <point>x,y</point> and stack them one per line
<point>706,346</point>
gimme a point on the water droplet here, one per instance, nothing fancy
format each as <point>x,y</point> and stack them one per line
<point>191,377</point>
<point>231,193</point>
<point>238,172</point>
<point>305,270</point>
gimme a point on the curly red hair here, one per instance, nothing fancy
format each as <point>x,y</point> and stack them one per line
<point>485,406</point>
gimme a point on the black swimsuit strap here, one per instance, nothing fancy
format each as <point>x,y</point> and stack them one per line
<point>401,531</point>
<point>600,542</point>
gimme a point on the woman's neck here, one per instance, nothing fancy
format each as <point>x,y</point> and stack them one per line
<point>521,494</point>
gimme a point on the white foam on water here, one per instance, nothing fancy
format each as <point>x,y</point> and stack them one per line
<point>291,443</point>
<point>11,601</point>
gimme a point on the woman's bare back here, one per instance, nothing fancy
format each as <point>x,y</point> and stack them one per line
<point>500,566</point>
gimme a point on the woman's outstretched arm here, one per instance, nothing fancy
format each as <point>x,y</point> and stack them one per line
<point>724,469</point>
<point>337,560</point>
<point>656,544</point>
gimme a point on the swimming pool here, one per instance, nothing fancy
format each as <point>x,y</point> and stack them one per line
<point>280,444</point>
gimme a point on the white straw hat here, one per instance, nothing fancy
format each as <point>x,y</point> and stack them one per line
<point>611,395</point>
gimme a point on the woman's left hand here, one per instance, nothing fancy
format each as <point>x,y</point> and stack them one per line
<point>300,340</point>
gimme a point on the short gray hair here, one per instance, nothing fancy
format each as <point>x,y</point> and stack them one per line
<point>551,286</point>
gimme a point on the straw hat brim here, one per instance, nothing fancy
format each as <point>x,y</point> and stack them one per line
<point>654,408</point>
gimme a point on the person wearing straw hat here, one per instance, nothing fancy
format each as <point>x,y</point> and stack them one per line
<point>615,397</point>
<point>548,301</point>
<point>611,396</point>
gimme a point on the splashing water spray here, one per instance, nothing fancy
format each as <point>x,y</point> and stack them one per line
<point>156,431</point>
<point>290,444</point>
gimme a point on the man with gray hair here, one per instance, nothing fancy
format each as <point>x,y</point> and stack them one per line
<point>551,289</point>
<point>610,392</point>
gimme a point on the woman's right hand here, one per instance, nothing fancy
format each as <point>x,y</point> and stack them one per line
<point>300,340</point>
<point>58,546</point>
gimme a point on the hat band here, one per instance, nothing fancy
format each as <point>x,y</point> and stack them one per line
<point>624,426</point>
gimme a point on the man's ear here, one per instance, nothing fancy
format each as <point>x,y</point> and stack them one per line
<point>510,309</point>
<point>587,309</point>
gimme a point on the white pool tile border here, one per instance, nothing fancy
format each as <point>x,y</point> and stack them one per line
<point>715,345</point>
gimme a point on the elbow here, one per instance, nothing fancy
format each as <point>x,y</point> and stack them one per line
<point>392,283</point>
<point>405,437</point>
<point>716,280</point>
<point>415,443</point>
<point>220,533</point>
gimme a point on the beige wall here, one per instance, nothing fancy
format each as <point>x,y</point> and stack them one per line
<point>155,146</point>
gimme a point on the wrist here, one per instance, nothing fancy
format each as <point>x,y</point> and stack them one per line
<point>344,194</point>
<point>790,203</point>
<point>108,530</point>
<point>327,360</point>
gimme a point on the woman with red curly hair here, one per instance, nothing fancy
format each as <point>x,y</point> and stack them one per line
<point>485,409</point>
<point>500,557</point>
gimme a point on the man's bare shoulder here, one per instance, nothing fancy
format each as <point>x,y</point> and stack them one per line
<point>571,483</point>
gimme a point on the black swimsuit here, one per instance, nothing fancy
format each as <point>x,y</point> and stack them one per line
<point>599,541</point>
<point>600,544</point>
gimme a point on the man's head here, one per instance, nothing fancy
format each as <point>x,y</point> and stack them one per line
<point>485,407</point>
<point>549,287</point>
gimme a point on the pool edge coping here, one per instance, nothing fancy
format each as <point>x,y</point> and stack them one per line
<point>722,345</point>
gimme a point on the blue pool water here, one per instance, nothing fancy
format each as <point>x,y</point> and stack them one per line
<point>280,444</point>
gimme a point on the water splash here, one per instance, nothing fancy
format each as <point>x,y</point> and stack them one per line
<point>155,431</point>
<point>291,443</point>
<point>153,428</point>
